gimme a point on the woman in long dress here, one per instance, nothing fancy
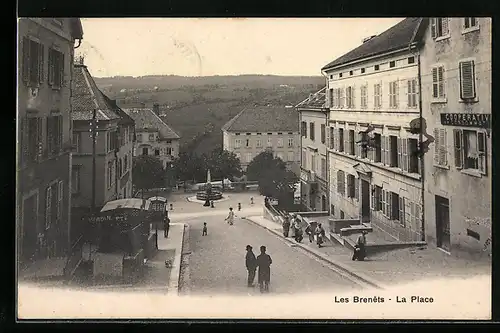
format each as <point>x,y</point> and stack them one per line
<point>264,262</point>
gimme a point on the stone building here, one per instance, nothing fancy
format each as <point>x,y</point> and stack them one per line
<point>255,129</point>
<point>153,135</point>
<point>456,95</point>
<point>374,88</point>
<point>314,171</point>
<point>43,198</point>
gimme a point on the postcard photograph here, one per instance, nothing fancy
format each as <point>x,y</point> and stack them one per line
<point>254,168</point>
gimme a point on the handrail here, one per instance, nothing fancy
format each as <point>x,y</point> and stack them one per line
<point>71,254</point>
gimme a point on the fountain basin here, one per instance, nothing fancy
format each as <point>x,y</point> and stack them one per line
<point>214,195</point>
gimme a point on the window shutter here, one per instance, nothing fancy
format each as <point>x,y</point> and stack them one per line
<point>48,207</point>
<point>433,27</point>
<point>402,211</point>
<point>396,94</point>
<point>435,92</point>
<point>418,218</point>
<point>41,63</point>
<point>24,139</point>
<point>388,205</point>
<point>437,146</point>
<point>400,153</point>
<point>406,166</point>
<point>441,92</point>
<point>39,135</point>
<point>445,26</point>
<point>326,137</point>
<point>373,204</point>
<point>26,59</point>
<point>356,188</point>
<point>408,93</point>
<point>383,202</point>
<point>60,195</point>
<point>457,133</point>
<point>442,147</point>
<point>346,141</point>
<point>467,80</point>
<point>382,152</point>
<point>353,96</point>
<point>51,68</point>
<point>61,69</point>
<point>481,147</point>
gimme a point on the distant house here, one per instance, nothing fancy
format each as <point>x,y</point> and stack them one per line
<point>258,128</point>
<point>153,135</point>
<point>114,143</point>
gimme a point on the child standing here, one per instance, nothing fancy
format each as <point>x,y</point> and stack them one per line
<point>204,233</point>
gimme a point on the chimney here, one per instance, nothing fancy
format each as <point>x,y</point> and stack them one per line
<point>156,109</point>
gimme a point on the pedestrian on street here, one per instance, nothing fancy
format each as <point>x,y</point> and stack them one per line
<point>310,233</point>
<point>298,230</point>
<point>286,225</point>
<point>359,248</point>
<point>251,264</point>
<point>320,235</point>
<point>264,262</point>
<point>205,229</point>
<point>212,204</point>
<point>251,201</point>
<point>239,206</point>
<point>166,226</point>
<point>230,216</point>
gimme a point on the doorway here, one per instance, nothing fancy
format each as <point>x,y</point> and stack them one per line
<point>323,203</point>
<point>443,223</point>
<point>29,227</point>
<point>365,201</point>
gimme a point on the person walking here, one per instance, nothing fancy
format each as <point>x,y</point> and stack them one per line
<point>251,201</point>
<point>359,248</point>
<point>230,216</point>
<point>251,264</point>
<point>320,235</point>
<point>310,233</point>
<point>297,229</point>
<point>264,262</point>
<point>239,206</point>
<point>286,226</point>
<point>166,226</point>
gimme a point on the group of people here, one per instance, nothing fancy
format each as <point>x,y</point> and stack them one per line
<point>263,262</point>
<point>294,221</point>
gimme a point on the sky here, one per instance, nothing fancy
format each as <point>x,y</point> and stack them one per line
<point>220,46</point>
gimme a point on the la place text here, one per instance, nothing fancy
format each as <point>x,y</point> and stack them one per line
<point>379,299</point>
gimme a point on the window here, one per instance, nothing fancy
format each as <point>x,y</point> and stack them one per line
<point>440,147</point>
<point>413,161</point>
<point>258,143</point>
<point>439,27</point>
<point>332,210</point>
<point>237,143</point>
<point>376,198</point>
<point>323,133</point>
<point>151,137</point>
<point>120,170</point>
<point>342,215</point>
<point>378,148</point>
<point>236,133</point>
<point>412,93</point>
<point>304,159</point>
<point>332,138</point>
<point>335,98</point>
<point>331,76</point>
<point>340,74</point>
<point>251,133</point>
<point>48,207</point>
<point>170,151</point>
<point>60,196</point>
<point>139,137</point>
<point>362,70</point>
<point>364,97</point>
<point>323,168</point>
<point>269,142</point>
<point>351,143</point>
<point>470,23</point>
<point>350,186</point>
<point>341,98</point>
<point>248,157</point>
<point>303,129</point>
<point>470,150</point>
<point>110,173</point>
<point>75,179</point>
<point>157,152</point>
<point>331,98</point>
<point>348,99</point>
<point>392,64</point>
<point>467,80</point>
<point>438,82</point>
<point>377,96</point>
<point>31,139</point>
<point>280,143</point>
<point>33,61</point>
<point>393,94</point>
<point>247,142</point>
<point>291,156</point>
<point>290,142</point>
<point>401,212</point>
<point>112,138</point>
<point>258,133</point>
<point>393,151</point>
<point>350,72</point>
<point>56,68</point>
<point>145,151</point>
<point>281,156</point>
<point>313,163</point>
<point>311,131</point>
<point>341,140</point>
<point>411,60</point>
<point>341,182</point>
<point>54,134</point>
<point>125,163</point>
<point>376,67</point>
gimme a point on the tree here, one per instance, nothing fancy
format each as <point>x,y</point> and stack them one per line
<point>223,164</point>
<point>189,166</point>
<point>147,172</point>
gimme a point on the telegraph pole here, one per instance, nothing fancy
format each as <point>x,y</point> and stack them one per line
<point>94,140</point>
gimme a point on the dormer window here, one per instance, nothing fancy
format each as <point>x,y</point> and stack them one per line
<point>340,74</point>
<point>411,60</point>
<point>376,67</point>
<point>392,64</point>
<point>362,70</point>
<point>350,72</point>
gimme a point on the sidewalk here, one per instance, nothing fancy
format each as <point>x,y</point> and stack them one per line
<point>389,268</point>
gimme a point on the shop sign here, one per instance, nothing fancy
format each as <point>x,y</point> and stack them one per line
<point>481,120</point>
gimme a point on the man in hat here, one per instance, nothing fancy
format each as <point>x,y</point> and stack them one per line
<point>251,263</point>
<point>264,262</point>
<point>359,248</point>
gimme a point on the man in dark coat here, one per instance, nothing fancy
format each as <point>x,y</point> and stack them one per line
<point>166,226</point>
<point>264,262</point>
<point>251,263</point>
<point>360,249</point>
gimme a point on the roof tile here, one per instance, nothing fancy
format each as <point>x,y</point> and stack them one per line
<point>145,118</point>
<point>264,119</point>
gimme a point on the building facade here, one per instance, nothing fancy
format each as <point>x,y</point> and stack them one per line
<point>113,149</point>
<point>374,89</point>
<point>43,199</point>
<point>256,129</point>
<point>456,93</point>
<point>154,136</point>
<point>314,171</point>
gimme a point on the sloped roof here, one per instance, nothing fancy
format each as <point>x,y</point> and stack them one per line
<point>264,119</point>
<point>397,37</point>
<point>125,118</point>
<point>314,101</point>
<point>76,28</point>
<point>86,97</point>
<point>145,118</point>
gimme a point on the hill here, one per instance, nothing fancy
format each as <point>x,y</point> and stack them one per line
<point>197,107</point>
